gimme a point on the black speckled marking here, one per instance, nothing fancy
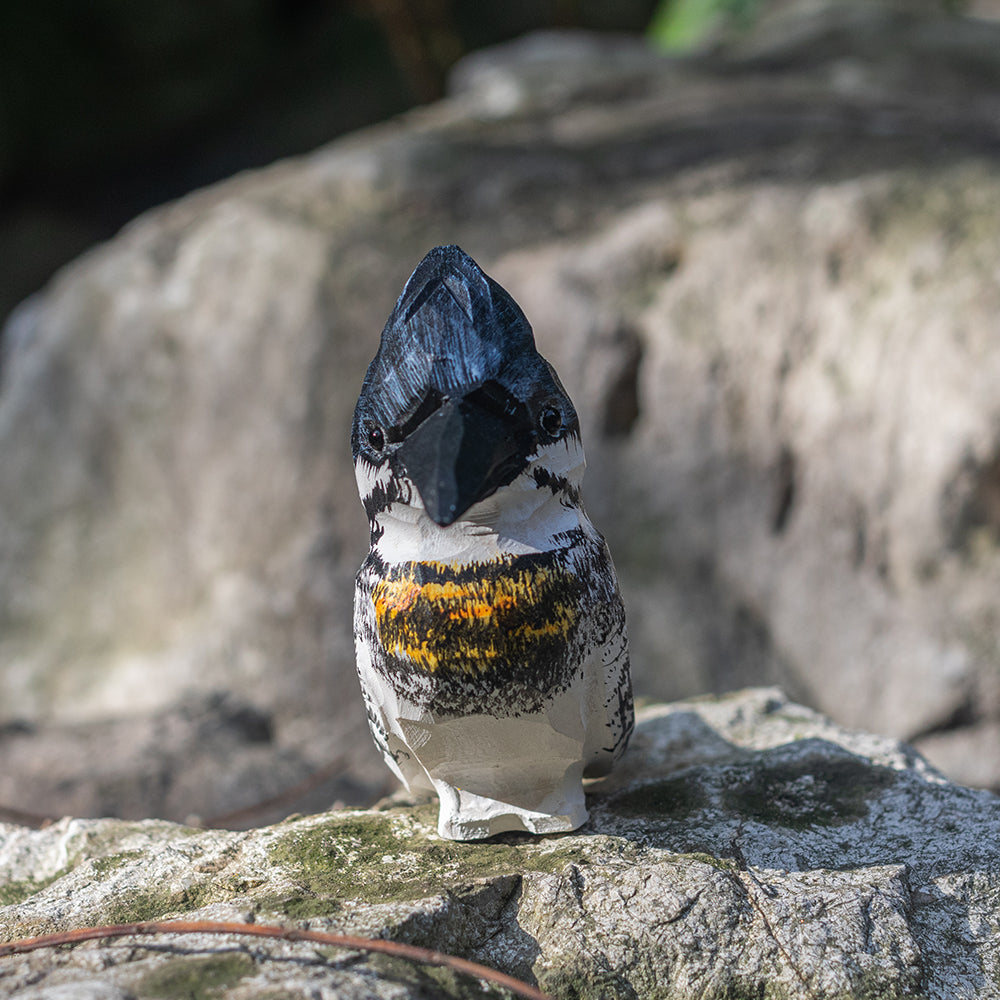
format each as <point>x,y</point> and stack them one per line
<point>558,485</point>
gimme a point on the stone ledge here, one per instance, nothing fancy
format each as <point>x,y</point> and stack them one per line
<point>746,847</point>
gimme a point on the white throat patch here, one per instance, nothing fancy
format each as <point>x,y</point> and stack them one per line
<point>522,517</point>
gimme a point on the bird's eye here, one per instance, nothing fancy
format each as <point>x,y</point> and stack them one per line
<point>550,421</point>
<point>376,438</point>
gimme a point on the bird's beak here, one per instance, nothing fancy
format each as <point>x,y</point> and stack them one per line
<point>462,453</point>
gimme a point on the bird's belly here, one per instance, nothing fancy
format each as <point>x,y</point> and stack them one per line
<point>514,617</point>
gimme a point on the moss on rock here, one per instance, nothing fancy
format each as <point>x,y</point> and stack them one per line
<point>16,892</point>
<point>104,867</point>
<point>395,857</point>
<point>671,798</point>
<point>196,978</point>
<point>810,790</point>
<point>129,907</point>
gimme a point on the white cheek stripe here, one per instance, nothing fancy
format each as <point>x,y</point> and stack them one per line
<point>369,477</point>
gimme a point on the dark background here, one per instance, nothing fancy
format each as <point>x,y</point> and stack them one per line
<point>109,107</point>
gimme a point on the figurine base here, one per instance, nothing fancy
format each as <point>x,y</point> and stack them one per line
<point>466,816</point>
<point>495,775</point>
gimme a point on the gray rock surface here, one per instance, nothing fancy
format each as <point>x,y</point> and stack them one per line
<point>745,847</point>
<point>768,279</point>
<point>211,760</point>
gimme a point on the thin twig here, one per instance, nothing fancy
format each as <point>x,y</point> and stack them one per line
<point>396,948</point>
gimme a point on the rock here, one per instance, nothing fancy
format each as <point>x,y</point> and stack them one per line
<point>767,277</point>
<point>745,847</point>
<point>202,759</point>
<point>967,753</point>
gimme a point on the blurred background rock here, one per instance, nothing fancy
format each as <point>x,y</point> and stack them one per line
<point>766,267</point>
<point>108,108</point>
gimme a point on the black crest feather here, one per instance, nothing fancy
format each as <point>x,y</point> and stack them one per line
<point>453,328</point>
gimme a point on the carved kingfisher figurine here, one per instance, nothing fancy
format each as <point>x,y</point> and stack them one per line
<point>489,627</point>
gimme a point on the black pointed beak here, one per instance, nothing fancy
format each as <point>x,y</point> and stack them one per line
<point>464,451</point>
